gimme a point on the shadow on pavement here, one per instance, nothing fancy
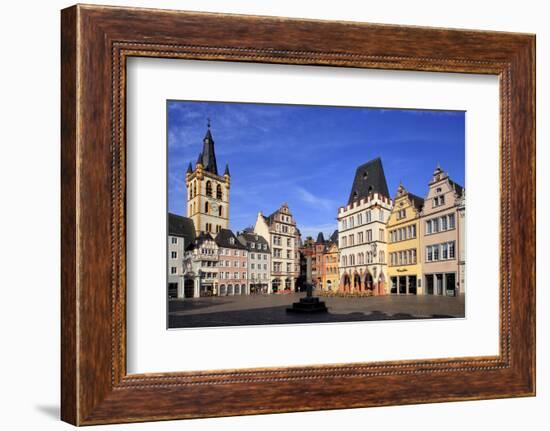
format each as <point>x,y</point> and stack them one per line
<point>277,316</point>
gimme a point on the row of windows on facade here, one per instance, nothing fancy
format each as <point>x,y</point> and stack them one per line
<point>403,257</point>
<point>277,252</point>
<point>349,240</point>
<point>222,263</point>
<point>277,240</point>
<point>223,252</point>
<point>443,251</point>
<point>193,190</point>
<point>174,254</point>
<point>227,275</point>
<point>358,220</point>
<point>434,225</point>
<point>227,263</point>
<point>260,256</point>
<point>224,275</point>
<point>403,233</point>
<point>285,218</point>
<point>363,258</point>
<point>259,246</point>
<point>278,267</point>
<point>284,228</point>
<point>230,290</point>
<point>440,224</point>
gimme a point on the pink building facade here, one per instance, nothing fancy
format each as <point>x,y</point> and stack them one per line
<point>232,265</point>
<point>442,228</point>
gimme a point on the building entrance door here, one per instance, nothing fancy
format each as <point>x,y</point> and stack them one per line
<point>403,285</point>
<point>430,284</point>
<point>450,284</point>
<point>412,284</point>
<point>189,288</point>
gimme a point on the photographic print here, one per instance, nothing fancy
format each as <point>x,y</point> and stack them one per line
<point>292,214</point>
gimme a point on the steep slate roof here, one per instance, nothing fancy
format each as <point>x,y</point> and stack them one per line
<point>203,236</point>
<point>320,238</point>
<point>182,227</point>
<point>334,237</point>
<point>208,156</point>
<point>417,201</point>
<point>457,188</point>
<point>246,238</point>
<point>369,178</point>
<point>223,240</point>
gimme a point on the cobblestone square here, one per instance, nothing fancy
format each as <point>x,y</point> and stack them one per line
<point>271,309</point>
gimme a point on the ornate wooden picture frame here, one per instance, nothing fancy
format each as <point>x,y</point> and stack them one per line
<point>96,42</point>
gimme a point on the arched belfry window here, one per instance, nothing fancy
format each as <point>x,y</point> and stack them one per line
<point>219,192</point>
<point>195,188</point>
<point>208,188</point>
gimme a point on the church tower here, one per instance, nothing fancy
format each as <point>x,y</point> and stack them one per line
<point>208,192</point>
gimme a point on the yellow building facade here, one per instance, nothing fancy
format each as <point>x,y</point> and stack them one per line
<point>330,273</point>
<point>403,227</point>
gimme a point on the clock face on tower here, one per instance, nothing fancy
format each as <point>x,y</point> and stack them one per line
<point>214,206</point>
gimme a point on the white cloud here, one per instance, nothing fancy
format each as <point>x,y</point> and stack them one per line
<point>313,200</point>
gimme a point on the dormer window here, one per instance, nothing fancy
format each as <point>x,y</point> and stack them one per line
<point>232,241</point>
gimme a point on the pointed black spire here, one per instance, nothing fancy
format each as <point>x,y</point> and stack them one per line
<point>320,238</point>
<point>189,168</point>
<point>208,155</point>
<point>199,160</point>
<point>226,170</point>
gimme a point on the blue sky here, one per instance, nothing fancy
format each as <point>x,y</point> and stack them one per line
<point>307,155</point>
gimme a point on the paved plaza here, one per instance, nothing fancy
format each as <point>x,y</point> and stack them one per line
<point>271,309</point>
